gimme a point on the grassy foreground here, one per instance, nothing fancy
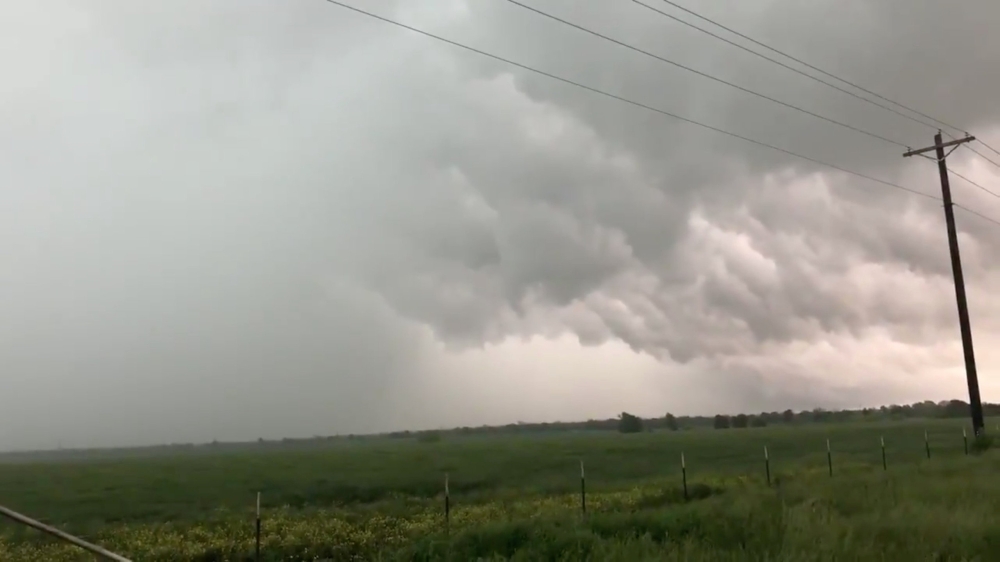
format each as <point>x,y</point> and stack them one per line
<point>938,509</point>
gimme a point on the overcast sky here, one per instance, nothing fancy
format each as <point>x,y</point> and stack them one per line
<point>232,219</point>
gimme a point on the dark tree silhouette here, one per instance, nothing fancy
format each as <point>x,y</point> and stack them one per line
<point>629,423</point>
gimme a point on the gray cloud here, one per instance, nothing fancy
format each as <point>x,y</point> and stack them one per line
<point>236,219</point>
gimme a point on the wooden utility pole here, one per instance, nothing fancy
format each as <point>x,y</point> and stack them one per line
<point>975,403</point>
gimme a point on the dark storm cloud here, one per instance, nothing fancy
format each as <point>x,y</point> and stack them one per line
<point>836,236</point>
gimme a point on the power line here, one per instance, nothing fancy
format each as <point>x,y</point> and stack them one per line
<point>980,215</point>
<point>660,111</point>
<point>628,101</point>
<point>983,156</point>
<point>783,65</point>
<point>706,75</point>
<point>756,42</point>
<point>989,147</point>
<point>804,63</point>
<point>954,173</point>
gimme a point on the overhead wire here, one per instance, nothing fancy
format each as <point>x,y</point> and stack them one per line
<point>936,122</point>
<point>978,214</point>
<point>817,69</point>
<point>629,101</point>
<point>706,75</point>
<point>661,111</point>
<point>813,67</point>
<point>954,173</point>
<point>674,63</point>
<point>997,152</point>
<point>981,155</point>
<point>784,65</point>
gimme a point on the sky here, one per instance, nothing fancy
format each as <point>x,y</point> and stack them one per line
<point>242,219</point>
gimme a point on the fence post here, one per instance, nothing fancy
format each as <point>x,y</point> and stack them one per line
<point>927,444</point>
<point>684,476</point>
<point>583,489</point>
<point>447,505</point>
<point>767,466</point>
<point>257,548</point>
<point>884,465</point>
<point>829,457</point>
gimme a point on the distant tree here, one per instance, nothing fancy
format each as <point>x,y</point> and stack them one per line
<point>758,421</point>
<point>670,422</point>
<point>429,437</point>
<point>956,409</point>
<point>741,421</point>
<point>840,415</point>
<point>628,423</point>
<point>925,409</point>
<point>788,416</point>
<point>820,415</point>
<point>720,422</point>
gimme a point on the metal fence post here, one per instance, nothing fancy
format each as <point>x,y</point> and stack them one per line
<point>829,457</point>
<point>684,476</point>
<point>767,466</point>
<point>257,546</point>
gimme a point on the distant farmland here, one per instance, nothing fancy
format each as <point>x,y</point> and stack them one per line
<point>518,496</point>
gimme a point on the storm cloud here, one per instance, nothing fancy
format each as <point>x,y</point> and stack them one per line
<point>233,219</point>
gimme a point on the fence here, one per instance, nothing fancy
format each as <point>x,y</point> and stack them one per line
<point>878,447</point>
<point>107,555</point>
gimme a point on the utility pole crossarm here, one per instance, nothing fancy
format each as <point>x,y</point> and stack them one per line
<point>968,138</point>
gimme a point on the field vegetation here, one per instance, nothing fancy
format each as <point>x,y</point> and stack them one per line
<point>516,495</point>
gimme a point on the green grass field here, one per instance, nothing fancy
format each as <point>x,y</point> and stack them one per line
<point>517,497</point>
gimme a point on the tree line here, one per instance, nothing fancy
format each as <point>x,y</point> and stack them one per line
<point>625,423</point>
<point>629,423</point>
